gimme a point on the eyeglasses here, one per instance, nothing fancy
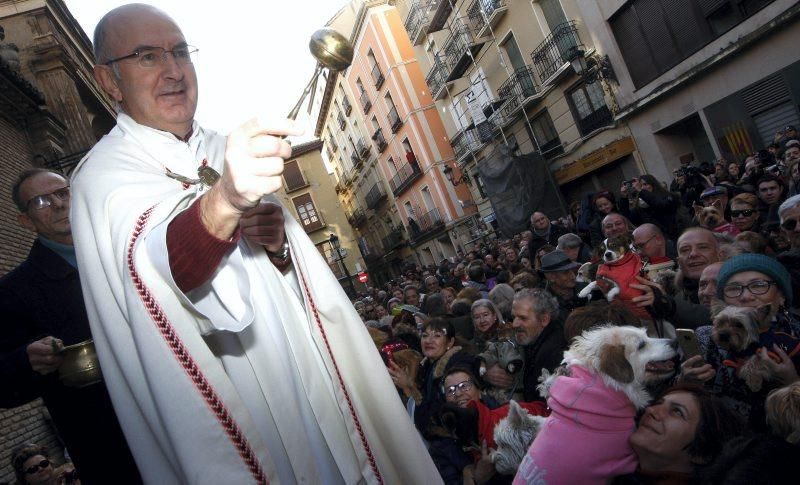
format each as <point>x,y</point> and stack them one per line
<point>463,386</point>
<point>35,468</point>
<point>742,213</point>
<point>153,56</point>
<point>755,287</point>
<point>639,246</point>
<point>789,224</point>
<point>46,200</point>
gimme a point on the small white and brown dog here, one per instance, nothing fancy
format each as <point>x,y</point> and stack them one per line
<point>594,404</point>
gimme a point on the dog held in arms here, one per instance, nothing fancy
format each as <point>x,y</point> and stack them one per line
<point>593,399</point>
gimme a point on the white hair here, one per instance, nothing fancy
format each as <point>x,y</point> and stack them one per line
<point>788,204</point>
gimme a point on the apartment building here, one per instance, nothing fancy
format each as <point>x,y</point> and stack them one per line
<point>309,193</point>
<point>390,152</point>
<point>527,76</point>
<point>701,80</point>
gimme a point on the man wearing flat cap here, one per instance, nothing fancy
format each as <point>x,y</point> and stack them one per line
<point>560,272</point>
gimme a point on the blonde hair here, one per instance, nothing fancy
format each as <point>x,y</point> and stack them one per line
<point>747,199</point>
<point>783,412</point>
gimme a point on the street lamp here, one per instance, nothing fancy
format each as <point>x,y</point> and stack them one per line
<point>335,245</point>
<point>448,172</point>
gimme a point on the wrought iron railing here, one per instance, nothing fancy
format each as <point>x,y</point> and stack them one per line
<point>481,10</point>
<point>597,119</point>
<point>404,177</point>
<point>518,87</point>
<point>362,149</point>
<point>348,108</point>
<point>427,224</point>
<point>394,239</point>
<point>340,119</point>
<point>394,119</point>
<point>377,76</point>
<point>558,48</point>
<point>437,76</point>
<point>417,20</point>
<point>366,104</point>
<point>466,142</point>
<point>375,196</point>
<point>379,139</point>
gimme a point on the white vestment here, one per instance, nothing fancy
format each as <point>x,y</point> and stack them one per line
<point>252,377</point>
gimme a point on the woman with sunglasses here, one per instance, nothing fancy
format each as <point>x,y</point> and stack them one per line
<point>744,212</point>
<point>32,466</point>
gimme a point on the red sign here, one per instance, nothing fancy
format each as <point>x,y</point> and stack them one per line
<point>362,276</point>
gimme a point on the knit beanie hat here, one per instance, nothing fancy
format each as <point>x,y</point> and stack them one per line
<point>756,262</point>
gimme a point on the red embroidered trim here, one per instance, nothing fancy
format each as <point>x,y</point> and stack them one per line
<point>189,365</point>
<point>372,463</point>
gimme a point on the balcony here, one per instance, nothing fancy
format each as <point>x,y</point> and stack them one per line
<point>379,140</point>
<point>393,240</point>
<point>362,149</point>
<point>517,92</point>
<point>418,21</point>
<point>357,217</point>
<point>340,186</point>
<point>357,161</point>
<point>404,178</point>
<point>376,196</point>
<point>394,119</point>
<point>551,148</point>
<point>348,108</point>
<point>332,144</point>
<point>365,102</point>
<point>598,119</point>
<point>485,14</point>
<point>459,50</point>
<point>350,177</point>
<point>440,14</point>
<point>437,79</point>
<point>556,50</point>
<point>428,225</point>
<point>377,76</point>
<point>340,119</point>
<point>466,142</point>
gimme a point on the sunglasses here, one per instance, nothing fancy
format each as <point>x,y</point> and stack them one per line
<point>35,468</point>
<point>789,224</point>
<point>742,213</point>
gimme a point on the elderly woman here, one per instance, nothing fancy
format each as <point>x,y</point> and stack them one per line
<point>486,317</point>
<point>756,281</point>
<point>744,212</point>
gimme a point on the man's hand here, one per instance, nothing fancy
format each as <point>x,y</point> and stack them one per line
<point>254,156</point>
<point>696,370</point>
<point>648,296</point>
<point>263,224</point>
<point>498,377</point>
<point>43,357</point>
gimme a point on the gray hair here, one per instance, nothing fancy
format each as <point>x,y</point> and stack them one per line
<point>788,204</point>
<point>569,241</point>
<point>542,301</point>
<point>484,303</point>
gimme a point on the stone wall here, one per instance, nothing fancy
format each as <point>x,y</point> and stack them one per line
<point>29,423</point>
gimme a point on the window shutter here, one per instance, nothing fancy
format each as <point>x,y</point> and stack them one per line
<point>633,46</point>
<point>688,33</point>
<point>307,213</point>
<point>657,33</point>
<point>292,176</point>
<point>710,6</point>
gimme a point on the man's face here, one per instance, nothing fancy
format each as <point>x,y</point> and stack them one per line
<point>648,244</point>
<point>50,222</point>
<point>562,280</point>
<point>432,284</point>
<point>527,325</point>
<point>792,236</point>
<point>511,255</point>
<point>769,192</point>
<point>614,225</point>
<point>792,153</point>
<point>707,291</point>
<point>540,221</point>
<point>164,96</point>
<point>489,260</point>
<point>696,250</point>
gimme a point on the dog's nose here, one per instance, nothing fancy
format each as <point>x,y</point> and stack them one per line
<point>724,337</point>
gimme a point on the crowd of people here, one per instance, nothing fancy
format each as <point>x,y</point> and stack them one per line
<point>714,260</point>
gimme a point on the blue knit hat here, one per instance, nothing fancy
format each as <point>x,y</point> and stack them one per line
<point>756,262</point>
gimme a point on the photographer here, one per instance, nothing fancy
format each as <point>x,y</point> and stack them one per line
<point>644,200</point>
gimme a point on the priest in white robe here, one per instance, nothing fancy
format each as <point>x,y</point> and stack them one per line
<point>230,351</point>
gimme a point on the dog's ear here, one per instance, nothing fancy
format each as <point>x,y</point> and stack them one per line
<point>614,363</point>
<point>718,205</point>
<point>697,209</point>
<point>515,414</point>
<point>717,306</point>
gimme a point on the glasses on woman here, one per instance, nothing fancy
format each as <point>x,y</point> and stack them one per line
<point>462,386</point>
<point>35,468</point>
<point>742,212</point>
<point>755,287</point>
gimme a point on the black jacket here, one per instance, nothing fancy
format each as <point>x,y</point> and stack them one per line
<point>546,352</point>
<point>556,231</point>
<point>42,297</point>
<point>661,211</point>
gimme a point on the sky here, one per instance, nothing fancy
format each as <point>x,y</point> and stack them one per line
<point>253,55</point>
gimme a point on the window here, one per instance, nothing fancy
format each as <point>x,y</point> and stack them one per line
<point>589,107</point>
<point>656,35</point>
<point>377,75</point>
<point>546,135</point>
<point>292,176</point>
<point>307,213</point>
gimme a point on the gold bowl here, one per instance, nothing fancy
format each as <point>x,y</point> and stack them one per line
<point>80,367</point>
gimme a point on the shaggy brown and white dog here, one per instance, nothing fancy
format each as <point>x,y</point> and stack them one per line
<point>594,403</point>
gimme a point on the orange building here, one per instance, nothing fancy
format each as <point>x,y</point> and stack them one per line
<point>411,150</point>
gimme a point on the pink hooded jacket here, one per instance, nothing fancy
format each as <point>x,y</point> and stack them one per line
<point>585,439</point>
